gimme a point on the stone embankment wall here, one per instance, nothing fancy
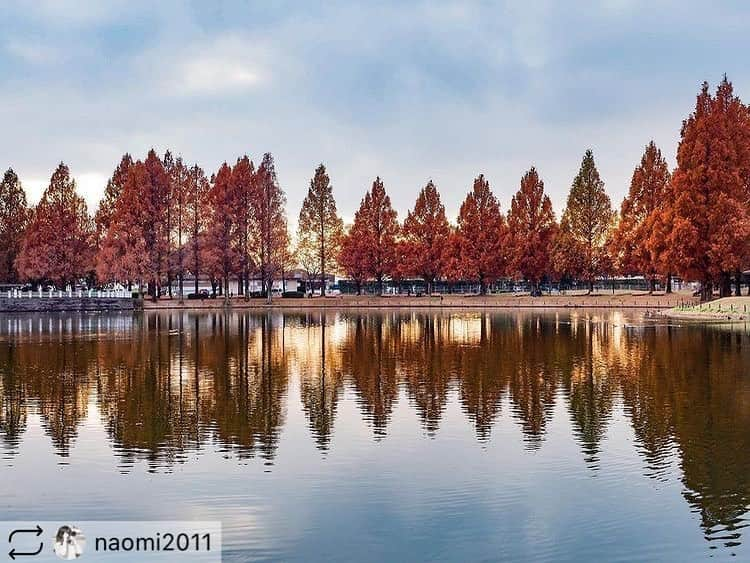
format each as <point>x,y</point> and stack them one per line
<point>45,304</point>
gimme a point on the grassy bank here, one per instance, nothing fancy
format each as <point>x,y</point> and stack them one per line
<point>733,309</point>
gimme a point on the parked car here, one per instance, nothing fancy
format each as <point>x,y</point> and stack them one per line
<point>292,295</point>
<point>202,294</point>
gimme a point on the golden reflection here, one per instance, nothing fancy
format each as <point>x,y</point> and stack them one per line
<point>169,384</point>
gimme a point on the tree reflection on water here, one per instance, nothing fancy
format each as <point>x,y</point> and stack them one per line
<point>169,384</point>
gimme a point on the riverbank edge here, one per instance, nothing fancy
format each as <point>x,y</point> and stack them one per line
<point>645,302</point>
<point>24,305</point>
<point>655,303</point>
<point>725,310</point>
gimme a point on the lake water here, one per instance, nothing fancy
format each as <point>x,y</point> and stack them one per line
<point>396,435</point>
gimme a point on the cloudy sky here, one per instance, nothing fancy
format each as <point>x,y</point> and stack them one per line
<point>405,90</point>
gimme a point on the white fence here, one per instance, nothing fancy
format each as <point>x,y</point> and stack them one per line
<point>69,294</point>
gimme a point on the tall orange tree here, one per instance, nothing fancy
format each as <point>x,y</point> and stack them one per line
<point>59,243</point>
<point>112,193</point>
<point>649,190</point>
<point>320,228</point>
<point>382,231</point>
<point>531,230</point>
<point>269,223</point>
<point>169,164</point>
<point>14,217</point>
<point>157,229</point>
<point>478,247</point>
<point>425,237</point>
<point>220,256</point>
<point>243,190</point>
<point>136,247</point>
<point>119,253</point>
<point>710,216</point>
<point>354,254</point>
<point>197,214</point>
<point>581,247</point>
<point>179,212</point>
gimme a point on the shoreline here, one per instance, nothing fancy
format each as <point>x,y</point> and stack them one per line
<point>659,304</point>
<point>725,310</point>
<point>599,301</point>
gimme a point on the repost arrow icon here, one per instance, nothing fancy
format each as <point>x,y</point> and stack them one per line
<point>13,553</point>
<point>37,531</point>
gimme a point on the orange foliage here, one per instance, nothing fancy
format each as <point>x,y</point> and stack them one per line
<point>532,228</point>
<point>59,242</point>
<point>478,247</point>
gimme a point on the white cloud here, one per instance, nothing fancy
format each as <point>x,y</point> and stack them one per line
<point>76,13</point>
<point>213,67</point>
<point>210,75</point>
<point>31,52</point>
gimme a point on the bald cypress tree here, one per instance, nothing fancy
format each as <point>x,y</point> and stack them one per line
<point>112,194</point>
<point>425,237</point>
<point>269,223</point>
<point>710,219</point>
<point>58,245</point>
<point>649,189</point>
<point>531,230</point>
<point>14,218</point>
<point>383,230</point>
<point>478,245</point>
<point>586,223</point>
<point>320,228</point>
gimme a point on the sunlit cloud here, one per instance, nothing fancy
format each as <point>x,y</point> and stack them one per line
<point>215,76</point>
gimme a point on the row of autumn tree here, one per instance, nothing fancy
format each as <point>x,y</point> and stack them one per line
<point>161,219</point>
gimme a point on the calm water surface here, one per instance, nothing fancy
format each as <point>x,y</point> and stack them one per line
<point>571,435</point>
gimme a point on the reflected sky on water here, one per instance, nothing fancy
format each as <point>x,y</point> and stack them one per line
<point>568,435</point>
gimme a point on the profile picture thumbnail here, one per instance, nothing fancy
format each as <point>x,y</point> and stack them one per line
<point>69,542</point>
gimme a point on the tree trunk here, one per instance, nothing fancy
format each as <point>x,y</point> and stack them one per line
<point>322,280</point>
<point>226,289</point>
<point>726,285</point>
<point>706,290</point>
<point>652,285</point>
<point>482,286</point>
<point>429,286</point>
<point>359,288</point>
<point>738,283</point>
<point>380,285</point>
<point>591,286</point>
<point>669,283</point>
<point>269,290</point>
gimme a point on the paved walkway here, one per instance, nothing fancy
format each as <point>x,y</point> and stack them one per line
<point>609,300</point>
